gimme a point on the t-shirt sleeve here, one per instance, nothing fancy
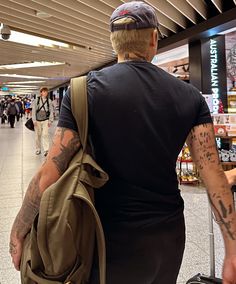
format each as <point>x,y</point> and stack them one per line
<point>204,115</point>
<point>66,118</point>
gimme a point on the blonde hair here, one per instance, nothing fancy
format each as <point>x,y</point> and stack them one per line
<point>130,40</point>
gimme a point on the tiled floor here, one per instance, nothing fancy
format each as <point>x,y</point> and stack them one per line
<point>17,165</point>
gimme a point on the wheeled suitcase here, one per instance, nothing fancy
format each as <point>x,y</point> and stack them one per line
<point>205,279</point>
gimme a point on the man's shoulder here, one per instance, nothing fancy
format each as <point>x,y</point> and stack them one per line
<point>106,70</point>
<point>178,84</point>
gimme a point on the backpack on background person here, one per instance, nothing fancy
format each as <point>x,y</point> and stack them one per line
<point>43,111</point>
<point>12,109</point>
<point>60,246</point>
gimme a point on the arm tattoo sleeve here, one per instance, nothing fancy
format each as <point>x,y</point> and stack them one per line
<point>65,146</point>
<point>202,143</point>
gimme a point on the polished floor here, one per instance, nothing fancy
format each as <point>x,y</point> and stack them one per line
<point>18,163</point>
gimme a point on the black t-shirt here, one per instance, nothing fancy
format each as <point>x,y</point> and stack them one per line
<point>139,119</point>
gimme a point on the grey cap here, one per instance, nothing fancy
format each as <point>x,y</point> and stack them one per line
<point>144,16</point>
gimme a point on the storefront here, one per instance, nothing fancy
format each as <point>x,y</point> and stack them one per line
<point>210,65</point>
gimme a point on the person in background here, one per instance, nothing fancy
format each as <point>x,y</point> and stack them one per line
<point>42,116</point>
<point>137,129</point>
<point>28,108</point>
<point>3,113</point>
<point>2,108</point>
<point>12,112</point>
<point>20,106</point>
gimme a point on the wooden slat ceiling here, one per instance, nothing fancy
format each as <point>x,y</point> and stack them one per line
<point>84,24</point>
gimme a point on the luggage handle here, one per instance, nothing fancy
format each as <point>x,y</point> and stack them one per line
<point>212,243</point>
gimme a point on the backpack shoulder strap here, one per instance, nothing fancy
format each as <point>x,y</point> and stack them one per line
<point>79,106</point>
<point>48,103</point>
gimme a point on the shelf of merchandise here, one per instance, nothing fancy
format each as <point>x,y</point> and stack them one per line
<point>191,179</point>
<point>227,165</point>
<point>226,137</point>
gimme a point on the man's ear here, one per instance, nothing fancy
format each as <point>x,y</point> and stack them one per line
<point>154,42</point>
<point>154,38</point>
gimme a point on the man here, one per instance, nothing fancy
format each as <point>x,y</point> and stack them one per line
<point>139,119</point>
<point>12,112</point>
<point>2,110</point>
<point>27,108</point>
<point>42,116</point>
<point>20,106</point>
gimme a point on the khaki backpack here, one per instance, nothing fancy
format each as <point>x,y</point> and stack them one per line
<point>60,246</point>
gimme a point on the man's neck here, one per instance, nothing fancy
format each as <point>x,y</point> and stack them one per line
<point>132,56</point>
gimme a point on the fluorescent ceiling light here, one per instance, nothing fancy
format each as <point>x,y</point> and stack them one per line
<point>21,90</point>
<point>21,86</point>
<point>35,40</point>
<point>22,76</point>
<point>21,93</point>
<point>227,31</point>
<point>25,82</point>
<point>171,55</point>
<point>30,65</point>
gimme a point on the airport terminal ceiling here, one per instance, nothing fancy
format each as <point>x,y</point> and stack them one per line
<point>81,31</point>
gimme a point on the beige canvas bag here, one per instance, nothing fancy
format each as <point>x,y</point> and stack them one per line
<point>60,247</point>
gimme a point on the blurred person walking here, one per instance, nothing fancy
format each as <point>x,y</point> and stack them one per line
<point>2,108</point>
<point>28,108</point>
<point>21,110</point>
<point>12,112</point>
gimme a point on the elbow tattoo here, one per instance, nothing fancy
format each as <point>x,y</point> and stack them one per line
<point>205,146</point>
<point>67,150</point>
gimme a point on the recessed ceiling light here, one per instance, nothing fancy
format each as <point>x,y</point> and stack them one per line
<point>42,15</point>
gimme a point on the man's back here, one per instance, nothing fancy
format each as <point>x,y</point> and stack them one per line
<point>140,117</point>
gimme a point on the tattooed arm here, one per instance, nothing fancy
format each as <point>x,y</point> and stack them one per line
<point>65,145</point>
<point>201,142</point>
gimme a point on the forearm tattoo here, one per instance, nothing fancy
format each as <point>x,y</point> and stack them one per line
<point>31,203</point>
<point>66,151</point>
<point>29,209</point>
<point>222,214</point>
<point>12,248</point>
